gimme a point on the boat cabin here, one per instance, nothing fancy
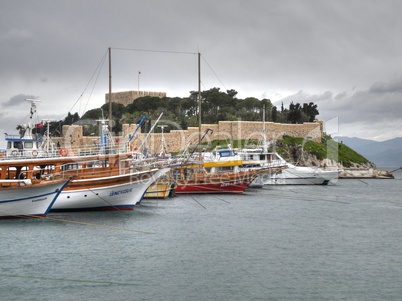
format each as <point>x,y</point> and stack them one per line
<point>64,167</point>
<point>30,142</point>
<point>23,146</point>
<point>257,157</point>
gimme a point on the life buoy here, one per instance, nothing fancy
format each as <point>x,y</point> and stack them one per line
<point>2,157</point>
<point>63,151</point>
<point>34,153</point>
<point>14,153</point>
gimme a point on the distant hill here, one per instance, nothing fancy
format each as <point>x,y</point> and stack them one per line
<point>383,154</point>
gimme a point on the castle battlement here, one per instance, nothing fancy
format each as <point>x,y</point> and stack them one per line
<point>127,97</point>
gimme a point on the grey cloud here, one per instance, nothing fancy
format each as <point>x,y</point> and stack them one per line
<point>17,100</point>
<point>393,86</point>
<point>303,50</point>
<point>374,107</point>
<point>341,95</point>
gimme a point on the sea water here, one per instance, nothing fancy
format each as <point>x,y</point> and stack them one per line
<point>336,242</point>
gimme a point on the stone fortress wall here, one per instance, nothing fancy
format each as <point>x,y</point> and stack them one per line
<point>178,140</point>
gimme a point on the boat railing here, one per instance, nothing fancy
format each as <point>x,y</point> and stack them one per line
<point>64,151</point>
<point>15,137</point>
<point>15,182</point>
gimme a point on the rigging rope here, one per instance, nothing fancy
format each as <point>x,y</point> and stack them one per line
<point>99,67</point>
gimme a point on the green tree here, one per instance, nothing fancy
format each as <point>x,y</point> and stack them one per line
<point>71,119</point>
<point>310,110</point>
<point>93,114</point>
<point>274,114</point>
<point>249,109</point>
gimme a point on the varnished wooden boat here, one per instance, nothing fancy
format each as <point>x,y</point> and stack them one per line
<point>100,182</point>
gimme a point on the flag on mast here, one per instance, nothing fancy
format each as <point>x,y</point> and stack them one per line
<point>139,73</point>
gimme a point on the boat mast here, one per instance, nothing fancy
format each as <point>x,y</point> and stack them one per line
<point>110,88</point>
<point>264,132</point>
<point>48,141</point>
<point>199,99</point>
<point>163,148</point>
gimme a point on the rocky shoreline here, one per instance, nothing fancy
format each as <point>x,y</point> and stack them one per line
<point>357,171</point>
<point>365,173</point>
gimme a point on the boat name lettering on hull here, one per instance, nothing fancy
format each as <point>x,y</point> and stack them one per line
<point>232,183</point>
<point>38,200</point>
<point>118,192</point>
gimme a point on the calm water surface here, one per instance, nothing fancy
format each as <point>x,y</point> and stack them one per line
<point>340,242</point>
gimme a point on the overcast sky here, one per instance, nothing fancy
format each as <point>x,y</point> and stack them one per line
<point>345,56</point>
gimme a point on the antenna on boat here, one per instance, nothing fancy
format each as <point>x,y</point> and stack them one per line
<point>33,105</point>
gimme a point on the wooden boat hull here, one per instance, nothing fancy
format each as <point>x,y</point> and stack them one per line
<point>216,183</point>
<point>31,200</point>
<point>160,190</point>
<point>111,193</point>
<point>193,179</point>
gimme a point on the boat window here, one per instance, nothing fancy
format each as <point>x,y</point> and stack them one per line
<point>8,144</point>
<point>226,169</point>
<point>101,163</point>
<point>28,144</point>
<point>176,173</point>
<point>225,153</point>
<point>18,144</point>
<point>73,166</point>
<point>188,172</point>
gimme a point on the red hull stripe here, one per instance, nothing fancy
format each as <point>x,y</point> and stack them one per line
<point>211,188</point>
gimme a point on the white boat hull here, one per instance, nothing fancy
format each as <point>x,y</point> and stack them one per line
<point>35,200</point>
<point>302,176</point>
<point>112,197</point>
<point>291,175</point>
